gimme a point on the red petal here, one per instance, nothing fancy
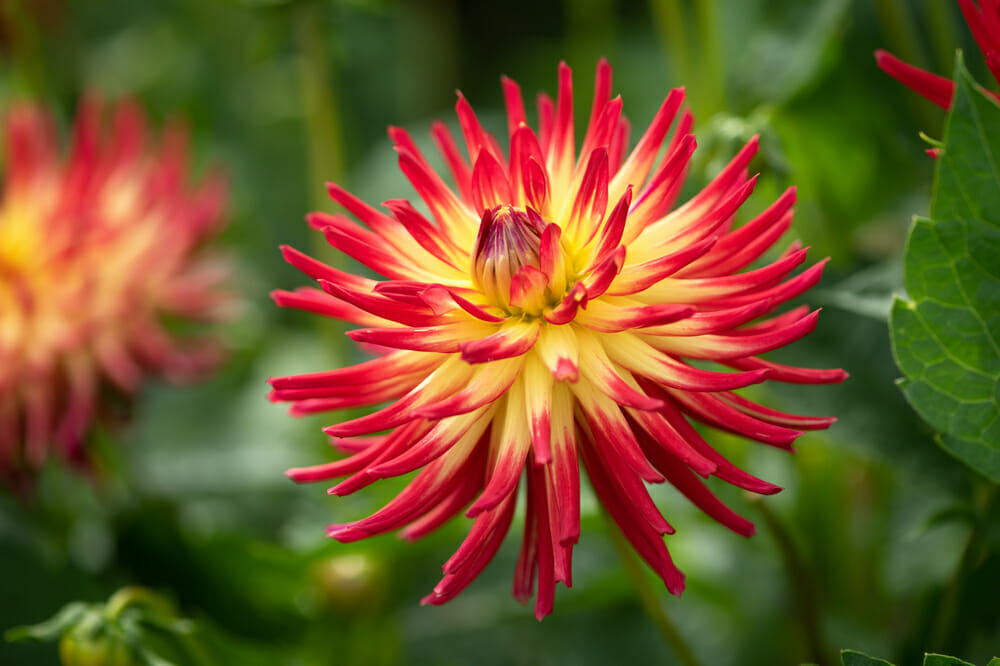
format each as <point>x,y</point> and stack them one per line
<point>932,87</point>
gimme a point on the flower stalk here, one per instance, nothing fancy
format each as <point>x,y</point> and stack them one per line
<point>649,598</point>
<point>943,625</point>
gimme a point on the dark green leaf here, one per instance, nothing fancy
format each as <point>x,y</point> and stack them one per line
<point>854,658</point>
<point>943,660</point>
<point>946,340</point>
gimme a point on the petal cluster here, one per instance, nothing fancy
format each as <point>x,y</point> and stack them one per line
<point>552,307</point>
<point>984,21</point>
<point>99,248</point>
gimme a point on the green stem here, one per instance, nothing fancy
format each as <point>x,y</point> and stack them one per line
<point>801,582</point>
<point>648,597</point>
<point>322,120</point>
<point>712,75</point>
<point>942,30</point>
<point>668,16</point>
<point>324,146</point>
<point>947,610</point>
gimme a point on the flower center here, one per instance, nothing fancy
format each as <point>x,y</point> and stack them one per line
<point>509,239</point>
<point>20,242</point>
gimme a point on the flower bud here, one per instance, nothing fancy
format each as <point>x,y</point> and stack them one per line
<point>509,239</point>
<point>90,646</point>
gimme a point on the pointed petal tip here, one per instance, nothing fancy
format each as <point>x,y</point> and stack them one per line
<point>333,189</point>
<point>315,221</point>
<point>675,584</point>
<point>791,437</point>
<point>301,474</point>
<point>543,459</point>
<point>566,370</point>
<point>339,489</point>
<point>333,530</point>
<point>652,476</point>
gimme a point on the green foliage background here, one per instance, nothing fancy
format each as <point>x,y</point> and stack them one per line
<point>858,551</point>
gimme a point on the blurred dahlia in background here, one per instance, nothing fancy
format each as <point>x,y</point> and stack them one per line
<point>984,21</point>
<point>100,262</point>
<point>554,308</point>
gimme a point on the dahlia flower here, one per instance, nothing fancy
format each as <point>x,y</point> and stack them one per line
<point>548,312</point>
<point>96,248</point>
<point>984,21</point>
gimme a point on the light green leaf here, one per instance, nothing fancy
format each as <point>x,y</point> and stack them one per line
<point>50,629</point>
<point>855,658</point>
<point>946,339</point>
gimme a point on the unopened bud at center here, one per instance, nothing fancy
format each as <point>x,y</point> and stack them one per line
<point>509,239</point>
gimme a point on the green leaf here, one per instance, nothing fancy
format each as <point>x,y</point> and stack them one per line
<point>946,340</point>
<point>855,658</point>
<point>944,660</point>
<point>50,629</point>
<point>995,661</point>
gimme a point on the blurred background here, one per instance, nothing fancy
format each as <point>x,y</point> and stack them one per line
<point>191,499</point>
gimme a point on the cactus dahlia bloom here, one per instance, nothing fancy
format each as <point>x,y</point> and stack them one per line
<point>984,21</point>
<point>547,312</point>
<point>96,248</point>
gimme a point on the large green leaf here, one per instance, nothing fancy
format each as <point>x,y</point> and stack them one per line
<point>946,339</point>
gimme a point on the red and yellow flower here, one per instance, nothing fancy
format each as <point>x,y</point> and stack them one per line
<point>96,248</point>
<point>984,21</point>
<point>548,311</point>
